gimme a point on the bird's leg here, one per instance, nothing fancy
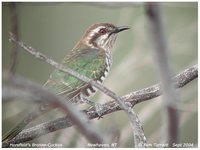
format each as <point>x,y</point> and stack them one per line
<point>99,110</point>
<point>98,106</point>
<point>87,101</point>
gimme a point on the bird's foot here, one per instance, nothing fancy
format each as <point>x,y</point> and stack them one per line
<point>87,101</point>
<point>99,110</point>
<point>98,107</point>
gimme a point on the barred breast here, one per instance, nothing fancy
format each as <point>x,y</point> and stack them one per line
<point>90,90</point>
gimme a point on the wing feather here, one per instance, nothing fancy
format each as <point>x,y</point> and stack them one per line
<point>88,62</point>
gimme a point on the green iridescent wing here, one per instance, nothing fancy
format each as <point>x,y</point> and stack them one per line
<point>88,62</point>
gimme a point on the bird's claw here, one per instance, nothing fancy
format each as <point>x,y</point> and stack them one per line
<point>99,110</point>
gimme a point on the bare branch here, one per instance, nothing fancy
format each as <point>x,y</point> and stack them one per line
<point>78,118</point>
<point>138,132</point>
<point>134,98</point>
<point>14,28</point>
<point>170,95</point>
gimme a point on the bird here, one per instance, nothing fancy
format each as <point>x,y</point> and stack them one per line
<point>91,57</point>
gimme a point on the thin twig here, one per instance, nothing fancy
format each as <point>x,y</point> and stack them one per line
<point>139,137</point>
<point>134,98</point>
<point>14,29</point>
<point>80,119</point>
<point>170,95</point>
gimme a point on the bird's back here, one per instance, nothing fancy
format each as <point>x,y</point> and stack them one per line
<point>91,63</point>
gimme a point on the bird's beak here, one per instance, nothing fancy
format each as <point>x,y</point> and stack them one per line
<point>122,28</point>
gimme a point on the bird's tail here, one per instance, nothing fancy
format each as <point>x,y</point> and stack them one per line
<point>41,109</point>
<point>14,131</point>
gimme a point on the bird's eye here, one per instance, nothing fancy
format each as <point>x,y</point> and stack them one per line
<point>102,31</point>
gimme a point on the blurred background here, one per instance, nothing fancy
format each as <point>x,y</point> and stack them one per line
<point>54,28</point>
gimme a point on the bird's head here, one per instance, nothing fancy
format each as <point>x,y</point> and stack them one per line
<point>102,35</point>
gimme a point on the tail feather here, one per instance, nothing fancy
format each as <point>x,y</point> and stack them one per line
<point>41,109</point>
<point>14,131</point>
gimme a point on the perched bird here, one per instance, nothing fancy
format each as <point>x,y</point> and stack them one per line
<point>91,57</point>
